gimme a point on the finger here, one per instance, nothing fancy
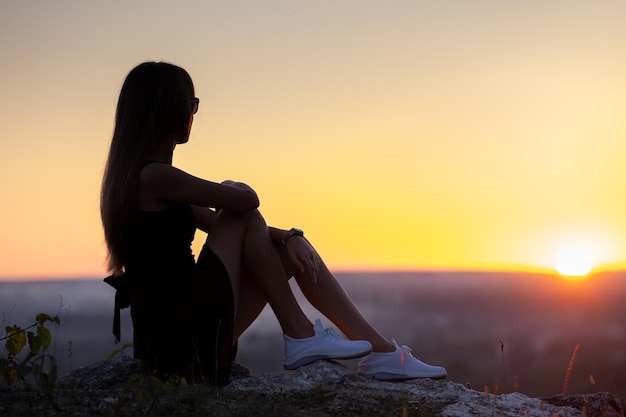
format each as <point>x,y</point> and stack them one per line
<point>298,264</point>
<point>309,267</point>
<point>315,272</point>
<point>314,267</point>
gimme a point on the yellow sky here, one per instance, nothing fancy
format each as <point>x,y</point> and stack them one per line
<point>400,134</point>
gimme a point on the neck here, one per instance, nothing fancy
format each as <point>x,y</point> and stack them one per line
<point>163,152</point>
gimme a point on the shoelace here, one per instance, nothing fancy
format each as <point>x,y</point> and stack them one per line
<point>404,351</point>
<point>331,333</point>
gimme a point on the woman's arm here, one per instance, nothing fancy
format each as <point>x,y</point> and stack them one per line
<point>277,235</point>
<point>301,254</point>
<point>204,217</point>
<point>160,184</point>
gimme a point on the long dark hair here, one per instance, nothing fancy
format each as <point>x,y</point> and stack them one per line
<point>154,106</point>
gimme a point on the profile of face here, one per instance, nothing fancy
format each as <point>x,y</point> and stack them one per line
<point>195,103</point>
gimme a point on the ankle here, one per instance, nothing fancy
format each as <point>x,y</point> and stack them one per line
<point>299,332</point>
<point>383,347</point>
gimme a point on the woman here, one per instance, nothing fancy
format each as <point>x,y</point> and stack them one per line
<point>187,315</point>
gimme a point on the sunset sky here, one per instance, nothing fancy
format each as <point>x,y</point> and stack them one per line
<point>397,134</point>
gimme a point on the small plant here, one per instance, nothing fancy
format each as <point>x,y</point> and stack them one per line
<point>121,351</point>
<point>503,365</point>
<point>37,368</point>
<point>570,367</point>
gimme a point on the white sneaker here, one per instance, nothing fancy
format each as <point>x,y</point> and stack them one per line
<point>399,365</point>
<point>326,344</point>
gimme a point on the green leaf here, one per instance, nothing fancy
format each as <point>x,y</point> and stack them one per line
<point>43,317</point>
<point>34,341</point>
<point>14,329</point>
<point>35,369</point>
<point>46,383</point>
<point>16,340</point>
<point>44,336</point>
<point>10,375</point>
<point>157,383</point>
<point>48,379</point>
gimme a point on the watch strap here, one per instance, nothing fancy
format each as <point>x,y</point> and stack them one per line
<point>291,233</point>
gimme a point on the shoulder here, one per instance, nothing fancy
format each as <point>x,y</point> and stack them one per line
<point>160,173</point>
<point>151,168</point>
<point>153,179</point>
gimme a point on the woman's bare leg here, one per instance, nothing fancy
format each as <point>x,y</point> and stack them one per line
<point>252,298</point>
<point>328,296</point>
<point>243,240</point>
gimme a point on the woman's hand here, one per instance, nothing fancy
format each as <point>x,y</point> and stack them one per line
<point>240,185</point>
<point>304,257</point>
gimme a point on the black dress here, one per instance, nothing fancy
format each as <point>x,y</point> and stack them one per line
<point>182,311</point>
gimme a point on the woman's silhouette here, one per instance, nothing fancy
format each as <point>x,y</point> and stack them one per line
<point>187,315</point>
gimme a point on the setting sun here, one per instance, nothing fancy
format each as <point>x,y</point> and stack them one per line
<point>574,261</point>
<point>425,137</point>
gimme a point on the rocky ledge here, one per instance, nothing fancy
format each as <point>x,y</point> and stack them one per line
<point>122,387</point>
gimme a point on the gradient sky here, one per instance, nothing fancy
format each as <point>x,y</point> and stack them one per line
<point>397,134</point>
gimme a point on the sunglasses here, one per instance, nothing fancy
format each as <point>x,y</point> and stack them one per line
<point>195,103</point>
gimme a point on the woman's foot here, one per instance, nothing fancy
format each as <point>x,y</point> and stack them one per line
<point>325,344</point>
<point>399,365</point>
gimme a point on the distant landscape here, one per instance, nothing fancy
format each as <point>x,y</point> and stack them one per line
<point>496,331</point>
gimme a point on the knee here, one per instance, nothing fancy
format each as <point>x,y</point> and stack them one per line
<point>253,218</point>
<point>247,218</point>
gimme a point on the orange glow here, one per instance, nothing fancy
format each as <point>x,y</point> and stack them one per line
<point>404,137</point>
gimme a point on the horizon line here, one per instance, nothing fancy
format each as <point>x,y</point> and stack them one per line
<point>353,270</point>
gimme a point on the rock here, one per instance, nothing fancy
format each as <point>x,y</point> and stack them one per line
<point>451,399</point>
<point>123,386</point>
<point>105,375</point>
<point>597,404</point>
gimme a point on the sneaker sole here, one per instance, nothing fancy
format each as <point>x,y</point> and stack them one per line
<point>310,359</point>
<point>384,376</point>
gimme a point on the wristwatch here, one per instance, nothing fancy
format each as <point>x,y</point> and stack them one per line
<point>291,233</point>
